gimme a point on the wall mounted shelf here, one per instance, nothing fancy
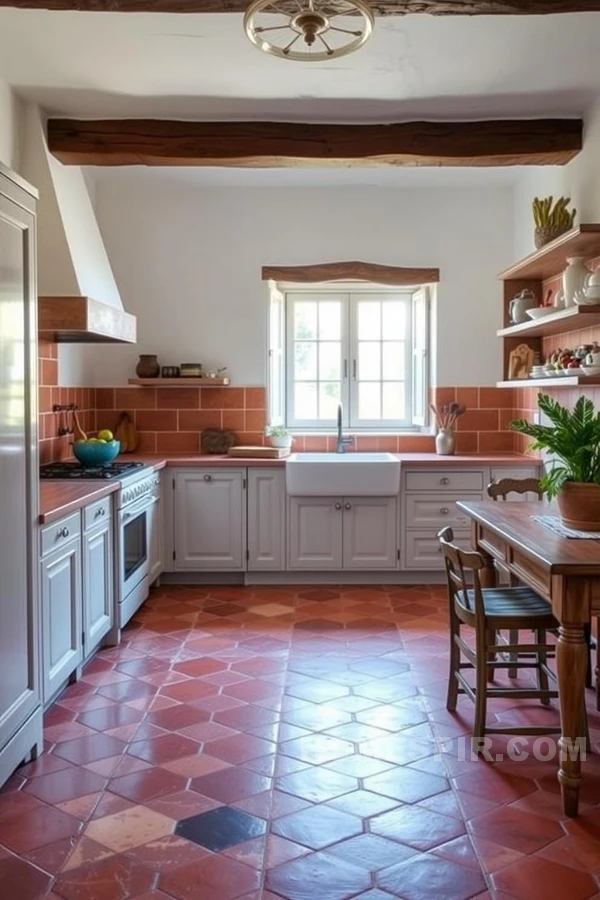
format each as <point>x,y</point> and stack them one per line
<point>179,382</point>
<point>564,320</point>
<point>552,258</point>
<point>561,381</point>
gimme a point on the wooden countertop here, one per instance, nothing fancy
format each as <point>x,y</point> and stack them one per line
<point>58,498</point>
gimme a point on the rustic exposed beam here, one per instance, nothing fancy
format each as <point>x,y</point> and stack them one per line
<point>381,7</point>
<point>158,142</point>
<point>351,271</point>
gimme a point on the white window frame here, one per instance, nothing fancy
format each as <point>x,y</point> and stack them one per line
<point>417,363</point>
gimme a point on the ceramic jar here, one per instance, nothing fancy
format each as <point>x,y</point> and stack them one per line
<point>574,279</point>
<point>444,442</point>
<point>148,366</point>
<point>518,306</point>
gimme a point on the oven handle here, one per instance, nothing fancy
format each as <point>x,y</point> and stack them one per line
<point>135,509</point>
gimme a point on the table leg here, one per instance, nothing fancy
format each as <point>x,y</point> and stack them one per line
<point>571,664</point>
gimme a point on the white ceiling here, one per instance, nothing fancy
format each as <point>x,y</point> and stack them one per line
<point>202,66</point>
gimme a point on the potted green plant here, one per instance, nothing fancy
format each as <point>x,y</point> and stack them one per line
<point>279,436</point>
<point>573,476</point>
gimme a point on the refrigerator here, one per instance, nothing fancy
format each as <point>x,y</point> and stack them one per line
<point>20,697</point>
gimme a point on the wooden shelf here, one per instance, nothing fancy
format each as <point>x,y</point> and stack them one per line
<point>179,382</point>
<point>552,258</point>
<point>572,319</point>
<point>561,381</point>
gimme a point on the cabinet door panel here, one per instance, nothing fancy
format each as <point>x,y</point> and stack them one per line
<point>315,533</point>
<point>266,519</point>
<point>61,615</point>
<point>210,521</point>
<point>370,533</point>
<point>422,549</point>
<point>98,586</point>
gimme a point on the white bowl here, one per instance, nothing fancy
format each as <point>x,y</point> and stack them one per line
<point>591,370</point>
<point>540,311</point>
<point>550,373</point>
<point>592,291</point>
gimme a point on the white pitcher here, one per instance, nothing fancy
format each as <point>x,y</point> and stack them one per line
<point>574,278</point>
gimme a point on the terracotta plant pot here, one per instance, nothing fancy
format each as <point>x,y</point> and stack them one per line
<point>579,506</point>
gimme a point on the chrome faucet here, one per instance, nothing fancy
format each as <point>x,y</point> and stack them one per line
<point>341,440</point>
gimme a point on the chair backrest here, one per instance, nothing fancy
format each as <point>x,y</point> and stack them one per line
<point>499,490</point>
<point>458,563</point>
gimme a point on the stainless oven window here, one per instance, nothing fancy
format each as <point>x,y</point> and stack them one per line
<point>135,546</point>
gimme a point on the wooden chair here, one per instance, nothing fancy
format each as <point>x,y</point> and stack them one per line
<point>489,611</point>
<point>500,490</point>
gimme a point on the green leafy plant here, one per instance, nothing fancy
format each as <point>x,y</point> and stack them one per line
<point>277,431</point>
<point>573,439</point>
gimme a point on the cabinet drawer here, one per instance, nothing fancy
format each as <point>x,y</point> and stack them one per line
<point>96,513</point>
<point>444,480</point>
<point>58,533</point>
<point>422,549</point>
<point>436,512</point>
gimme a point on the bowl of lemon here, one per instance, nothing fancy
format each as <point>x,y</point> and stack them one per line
<point>97,451</point>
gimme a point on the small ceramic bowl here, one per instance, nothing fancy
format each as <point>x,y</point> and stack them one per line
<point>592,291</point>
<point>591,370</point>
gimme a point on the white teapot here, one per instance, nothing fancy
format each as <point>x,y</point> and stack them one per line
<point>593,357</point>
<point>592,287</point>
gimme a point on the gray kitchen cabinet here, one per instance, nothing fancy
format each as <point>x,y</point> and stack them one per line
<point>315,533</point>
<point>210,519</point>
<point>266,519</point>
<point>370,540</point>
<point>61,591</point>
<point>20,688</point>
<point>98,575</point>
<point>155,532</point>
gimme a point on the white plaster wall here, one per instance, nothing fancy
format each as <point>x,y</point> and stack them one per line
<point>188,261</point>
<point>579,180</point>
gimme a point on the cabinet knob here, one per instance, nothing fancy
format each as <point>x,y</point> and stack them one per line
<point>444,510</point>
<point>63,532</point>
<point>348,506</point>
<point>337,506</point>
<point>208,477</point>
<point>100,512</point>
<point>444,480</point>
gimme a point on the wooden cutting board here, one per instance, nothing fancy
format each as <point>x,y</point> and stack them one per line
<point>259,452</point>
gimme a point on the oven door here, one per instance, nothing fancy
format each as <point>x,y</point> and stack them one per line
<point>133,545</point>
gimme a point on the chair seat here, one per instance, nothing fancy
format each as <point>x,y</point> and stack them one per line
<point>514,603</point>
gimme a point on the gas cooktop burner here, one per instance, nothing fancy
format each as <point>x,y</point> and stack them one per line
<point>74,470</point>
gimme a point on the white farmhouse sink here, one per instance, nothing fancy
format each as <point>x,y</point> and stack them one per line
<point>342,474</point>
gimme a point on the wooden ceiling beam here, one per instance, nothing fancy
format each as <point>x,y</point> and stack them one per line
<point>380,7</point>
<point>159,142</point>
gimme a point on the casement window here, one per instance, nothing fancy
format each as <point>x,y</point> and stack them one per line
<point>363,347</point>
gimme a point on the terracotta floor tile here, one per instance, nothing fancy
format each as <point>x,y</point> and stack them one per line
<point>317,827</point>
<point>217,876</point>
<point>230,785</point>
<point>147,784</point>
<point>26,881</point>
<point>419,828</point>
<point>317,710</point>
<point>130,828</point>
<point>541,877</point>
<point>336,878</point>
<point>426,876</point>
<point>115,878</point>
<point>316,784</point>
<point>65,785</point>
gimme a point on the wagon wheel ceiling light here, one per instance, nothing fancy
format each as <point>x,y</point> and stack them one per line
<point>308,30</point>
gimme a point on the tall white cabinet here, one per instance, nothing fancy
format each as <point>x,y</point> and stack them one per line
<point>20,696</point>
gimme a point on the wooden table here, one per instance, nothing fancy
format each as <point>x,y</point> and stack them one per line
<point>566,572</point>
